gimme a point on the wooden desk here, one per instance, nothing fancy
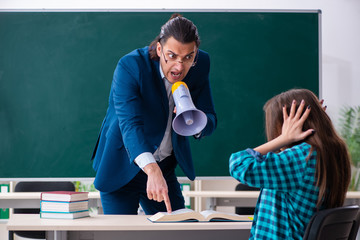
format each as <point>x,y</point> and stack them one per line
<point>108,227</point>
<point>353,195</point>
<point>32,200</point>
<point>243,194</point>
<point>238,198</point>
<point>215,198</point>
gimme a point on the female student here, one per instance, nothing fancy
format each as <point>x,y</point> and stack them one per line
<point>304,166</point>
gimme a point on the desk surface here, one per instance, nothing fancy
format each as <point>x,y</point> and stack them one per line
<point>215,194</point>
<point>35,195</point>
<point>112,223</point>
<point>224,194</point>
<point>241,194</point>
<point>32,199</point>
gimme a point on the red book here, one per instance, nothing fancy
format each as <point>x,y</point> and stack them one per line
<point>64,196</point>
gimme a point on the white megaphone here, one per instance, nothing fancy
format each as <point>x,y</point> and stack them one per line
<point>189,120</point>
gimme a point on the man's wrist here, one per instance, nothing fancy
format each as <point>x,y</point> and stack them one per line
<point>151,168</point>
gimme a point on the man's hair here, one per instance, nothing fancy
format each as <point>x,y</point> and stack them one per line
<point>333,169</point>
<point>178,27</point>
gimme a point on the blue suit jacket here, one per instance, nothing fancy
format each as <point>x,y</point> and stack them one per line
<point>137,116</point>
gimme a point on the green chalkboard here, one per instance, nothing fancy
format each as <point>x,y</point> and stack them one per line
<point>56,69</point>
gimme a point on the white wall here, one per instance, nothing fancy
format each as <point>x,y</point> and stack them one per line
<point>340,33</point>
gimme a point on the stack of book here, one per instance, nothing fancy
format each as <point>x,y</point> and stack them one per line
<point>64,204</point>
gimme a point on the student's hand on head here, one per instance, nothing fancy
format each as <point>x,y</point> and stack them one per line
<point>293,123</point>
<point>321,103</point>
<point>156,188</point>
<point>291,129</point>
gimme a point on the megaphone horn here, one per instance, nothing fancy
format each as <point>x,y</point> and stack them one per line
<point>188,120</point>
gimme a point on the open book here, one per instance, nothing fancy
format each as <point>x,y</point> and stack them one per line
<point>188,215</point>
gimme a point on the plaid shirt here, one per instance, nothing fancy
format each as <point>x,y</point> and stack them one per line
<point>288,193</point>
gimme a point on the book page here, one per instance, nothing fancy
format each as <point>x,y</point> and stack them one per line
<point>207,213</point>
<point>181,211</point>
<point>178,215</point>
<point>214,215</point>
<point>190,215</point>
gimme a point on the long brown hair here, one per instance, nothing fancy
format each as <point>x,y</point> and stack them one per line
<point>333,171</point>
<point>178,27</point>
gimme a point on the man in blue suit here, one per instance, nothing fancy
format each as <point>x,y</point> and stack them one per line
<point>137,149</point>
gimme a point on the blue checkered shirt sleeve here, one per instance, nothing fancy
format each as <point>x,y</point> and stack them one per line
<point>288,194</point>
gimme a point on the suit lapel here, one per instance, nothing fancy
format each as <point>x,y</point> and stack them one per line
<point>160,85</point>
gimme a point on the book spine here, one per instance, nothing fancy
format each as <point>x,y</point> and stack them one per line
<point>64,212</point>
<point>63,201</point>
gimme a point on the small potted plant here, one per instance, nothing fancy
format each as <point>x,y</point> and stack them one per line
<point>350,131</point>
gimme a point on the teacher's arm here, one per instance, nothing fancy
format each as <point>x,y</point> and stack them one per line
<point>129,109</point>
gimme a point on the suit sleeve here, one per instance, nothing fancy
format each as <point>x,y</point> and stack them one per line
<point>128,108</point>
